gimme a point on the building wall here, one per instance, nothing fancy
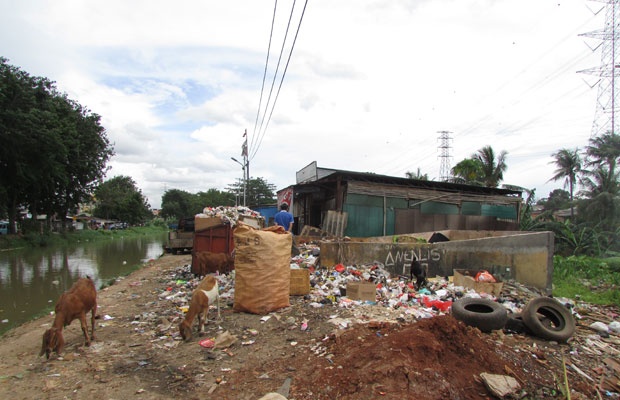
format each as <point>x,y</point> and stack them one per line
<point>374,215</point>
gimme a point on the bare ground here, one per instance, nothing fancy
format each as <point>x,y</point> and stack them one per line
<point>137,353</point>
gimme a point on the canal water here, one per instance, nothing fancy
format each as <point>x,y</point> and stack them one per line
<point>32,280</point>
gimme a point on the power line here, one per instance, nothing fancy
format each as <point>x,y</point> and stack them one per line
<point>264,130</point>
<point>260,101</point>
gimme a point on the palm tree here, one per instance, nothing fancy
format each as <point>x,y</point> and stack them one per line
<point>604,149</point>
<point>602,182</point>
<point>568,163</point>
<point>492,169</point>
<point>467,171</point>
<point>416,175</point>
<point>602,189</point>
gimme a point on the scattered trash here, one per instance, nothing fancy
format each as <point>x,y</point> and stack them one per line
<point>225,339</point>
<point>485,276</point>
<point>600,327</point>
<point>500,385</point>
<point>207,343</point>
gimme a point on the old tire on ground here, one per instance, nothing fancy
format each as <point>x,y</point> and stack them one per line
<point>515,324</point>
<point>484,314</point>
<point>548,319</point>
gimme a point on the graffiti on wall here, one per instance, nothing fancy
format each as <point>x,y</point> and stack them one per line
<point>400,259</point>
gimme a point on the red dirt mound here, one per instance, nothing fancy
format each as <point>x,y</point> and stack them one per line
<point>436,358</point>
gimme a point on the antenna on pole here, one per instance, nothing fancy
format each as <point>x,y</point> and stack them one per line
<point>444,147</point>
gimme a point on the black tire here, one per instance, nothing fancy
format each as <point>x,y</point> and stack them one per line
<point>515,324</point>
<point>484,314</point>
<point>548,319</point>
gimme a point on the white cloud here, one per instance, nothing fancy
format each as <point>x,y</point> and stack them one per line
<point>369,85</point>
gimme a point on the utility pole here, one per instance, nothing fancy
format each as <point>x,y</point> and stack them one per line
<point>245,165</point>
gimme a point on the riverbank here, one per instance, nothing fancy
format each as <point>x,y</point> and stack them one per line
<point>12,242</point>
<point>33,277</point>
<point>310,350</point>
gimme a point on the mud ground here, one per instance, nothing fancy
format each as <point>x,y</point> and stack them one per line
<point>305,352</point>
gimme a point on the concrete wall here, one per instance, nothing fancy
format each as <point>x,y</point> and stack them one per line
<point>522,256</point>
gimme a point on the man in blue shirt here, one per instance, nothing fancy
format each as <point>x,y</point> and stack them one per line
<point>284,218</point>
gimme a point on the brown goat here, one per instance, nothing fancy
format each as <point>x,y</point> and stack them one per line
<point>73,304</point>
<point>209,263</point>
<point>205,295</point>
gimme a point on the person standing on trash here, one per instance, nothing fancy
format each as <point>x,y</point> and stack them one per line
<point>284,218</point>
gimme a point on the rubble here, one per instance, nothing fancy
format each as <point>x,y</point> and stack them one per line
<point>228,215</point>
<point>311,341</point>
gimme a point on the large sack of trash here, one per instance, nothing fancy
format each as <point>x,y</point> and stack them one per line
<point>262,269</point>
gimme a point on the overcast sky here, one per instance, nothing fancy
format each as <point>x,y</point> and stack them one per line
<point>369,85</point>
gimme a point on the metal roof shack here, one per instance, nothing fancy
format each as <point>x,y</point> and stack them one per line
<point>366,204</point>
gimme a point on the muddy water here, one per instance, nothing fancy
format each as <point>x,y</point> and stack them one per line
<point>31,280</point>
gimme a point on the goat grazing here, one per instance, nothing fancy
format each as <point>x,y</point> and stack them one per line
<point>419,272</point>
<point>73,304</point>
<point>208,262</point>
<point>206,294</point>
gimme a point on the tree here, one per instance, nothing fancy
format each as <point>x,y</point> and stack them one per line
<point>54,151</point>
<point>259,192</point>
<point>177,204</point>
<point>214,198</point>
<point>416,175</point>
<point>568,163</point>
<point>492,169</point>
<point>604,149</point>
<point>602,183</point>
<point>558,199</point>
<point>120,199</point>
<point>468,171</point>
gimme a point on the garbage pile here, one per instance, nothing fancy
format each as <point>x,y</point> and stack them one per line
<point>401,301</point>
<point>229,215</point>
<point>395,294</point>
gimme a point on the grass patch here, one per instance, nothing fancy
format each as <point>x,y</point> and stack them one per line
<point>590,279</point>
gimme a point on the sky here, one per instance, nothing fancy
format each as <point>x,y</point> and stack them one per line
<point>368,86</point>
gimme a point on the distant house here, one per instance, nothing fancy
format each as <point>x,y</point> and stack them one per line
<point>369,204</point>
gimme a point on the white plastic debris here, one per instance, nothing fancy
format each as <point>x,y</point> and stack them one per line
<point>600,327</point>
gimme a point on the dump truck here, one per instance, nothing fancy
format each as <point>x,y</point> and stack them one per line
<point>181,236</point>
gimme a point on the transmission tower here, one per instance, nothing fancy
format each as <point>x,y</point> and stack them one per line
<point>444,148</point>
<point>606,102</point>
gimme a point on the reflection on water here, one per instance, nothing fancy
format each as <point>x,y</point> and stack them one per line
<point>31,280</point>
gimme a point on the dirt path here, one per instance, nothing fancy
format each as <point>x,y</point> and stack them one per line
<point>304,351</point>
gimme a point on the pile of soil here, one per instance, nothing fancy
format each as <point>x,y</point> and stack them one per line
<point>302,351</point>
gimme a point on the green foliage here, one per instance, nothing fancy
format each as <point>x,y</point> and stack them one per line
<point>468,171</point>
<point>37,240</point>
<point>594,229</point>
<point>176,204</point>
<point>591,279</point>
<point>120,199</point>
<point>572,239</point>
<point>568,166</point>
<point>482,169</point>
<point>54,151</point>
<point>558,200</point>
<point>493,168</point>
<point>258,192</point>
<point>417,175</point>
<point>213,198</point>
